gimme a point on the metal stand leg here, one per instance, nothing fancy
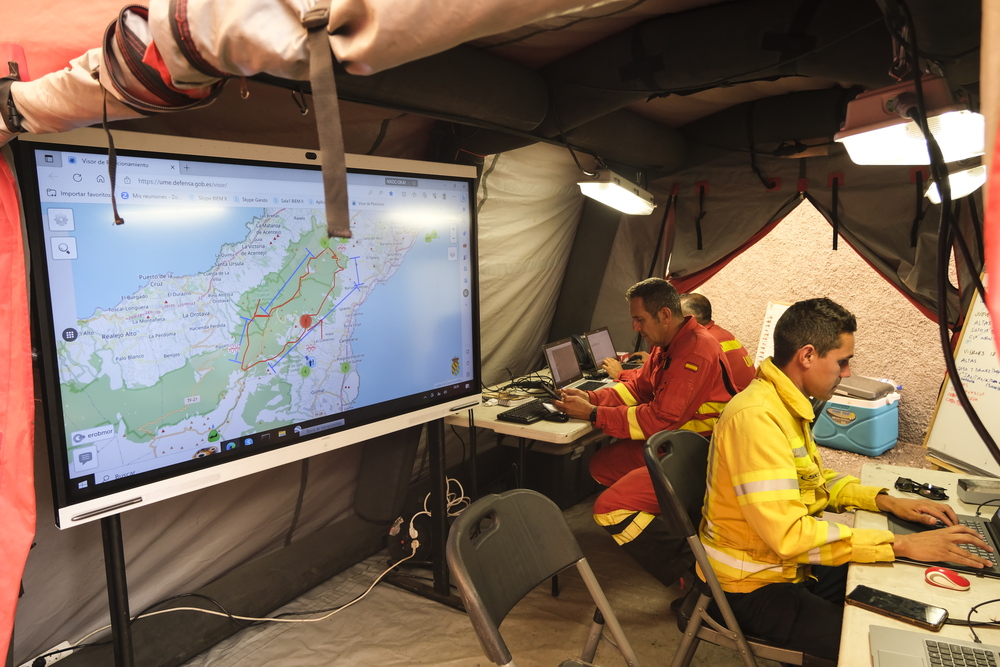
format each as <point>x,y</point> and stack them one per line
<point>441,591</point>
<point>114,567</point>
<point>439,507</point>
<point>473,473</point>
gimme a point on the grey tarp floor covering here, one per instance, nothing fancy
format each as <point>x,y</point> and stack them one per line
<point>394,627</point>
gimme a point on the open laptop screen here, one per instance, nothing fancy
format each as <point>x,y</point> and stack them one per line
<point>561,358</point>
<point>601,346</point>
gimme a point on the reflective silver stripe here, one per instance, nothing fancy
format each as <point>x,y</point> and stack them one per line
<point>839,477</point>
<point>766,485</point>
<point>832,532</point>
<point>740,564</point>
<point>800,452</point>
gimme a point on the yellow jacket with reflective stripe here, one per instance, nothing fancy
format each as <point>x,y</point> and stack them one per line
<point>767,490</point>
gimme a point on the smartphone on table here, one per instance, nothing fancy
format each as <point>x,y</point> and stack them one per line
<point>896,606</point>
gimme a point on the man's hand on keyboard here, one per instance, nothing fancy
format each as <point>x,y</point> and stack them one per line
<point>918,510</point>
<point>575,403</point>
<point>945,544</point>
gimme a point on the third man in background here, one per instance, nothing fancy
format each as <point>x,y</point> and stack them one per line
<point>740,360</point>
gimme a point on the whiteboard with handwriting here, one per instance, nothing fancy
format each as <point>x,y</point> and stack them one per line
<point>765,346</point>
<point>951,436</point>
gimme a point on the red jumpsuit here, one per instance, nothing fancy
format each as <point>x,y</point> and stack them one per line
<point>681,386</point>
<point>740,361</point>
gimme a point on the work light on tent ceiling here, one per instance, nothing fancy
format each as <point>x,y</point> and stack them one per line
<point>880,129</point>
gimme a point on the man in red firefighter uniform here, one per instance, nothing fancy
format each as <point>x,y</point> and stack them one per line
<point>684,384</point>
<point>740,361</point>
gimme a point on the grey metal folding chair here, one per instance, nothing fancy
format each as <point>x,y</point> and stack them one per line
<point>678,464</point>
<point>503,546</point>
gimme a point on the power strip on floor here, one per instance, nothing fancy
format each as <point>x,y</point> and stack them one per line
<point>52,659</point>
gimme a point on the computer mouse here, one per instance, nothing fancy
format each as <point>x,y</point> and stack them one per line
<point>945,578</point>
<point>557,417</point>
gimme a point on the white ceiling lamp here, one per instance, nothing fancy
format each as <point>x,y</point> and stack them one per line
<point>618,192</point>
<point>879,130</point>
<point>963,182</point>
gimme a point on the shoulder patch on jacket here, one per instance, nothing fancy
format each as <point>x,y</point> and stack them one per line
<point>691,367</point>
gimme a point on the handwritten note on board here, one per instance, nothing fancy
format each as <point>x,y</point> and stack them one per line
<point>765,347</point>
<point>951,436</point>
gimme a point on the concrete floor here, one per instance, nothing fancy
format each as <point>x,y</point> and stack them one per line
<point>392,627</point>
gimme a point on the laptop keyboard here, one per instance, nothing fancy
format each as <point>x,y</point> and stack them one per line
<point>528,413</point>
<point>944,653</point>
<point>973,548</point>
<point>590,385</point>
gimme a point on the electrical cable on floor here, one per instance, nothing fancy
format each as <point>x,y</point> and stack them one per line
<point>236,618</point>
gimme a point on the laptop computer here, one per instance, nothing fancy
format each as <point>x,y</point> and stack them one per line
<point>988,529</point>
<point>600,346</point>
<point>566,371</point>
<point>893,647</point>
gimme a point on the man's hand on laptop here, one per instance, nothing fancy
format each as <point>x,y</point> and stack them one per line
<point>917,510</point>
<point>575,403</point>
<point>933,546</point>
<point>612,367</point>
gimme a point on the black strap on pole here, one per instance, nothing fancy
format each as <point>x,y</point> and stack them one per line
<point>701,213</point>
<point>834,206</point>
<point>977,226</point>
<point>331,136</point>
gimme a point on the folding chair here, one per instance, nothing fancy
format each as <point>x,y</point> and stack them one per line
<point>503,546</point>
<point>678,465</point>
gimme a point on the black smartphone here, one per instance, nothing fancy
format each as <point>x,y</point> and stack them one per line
<point>550,391</point>
<point>896,606</point>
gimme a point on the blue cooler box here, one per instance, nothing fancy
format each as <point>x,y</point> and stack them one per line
<point>861,426</point>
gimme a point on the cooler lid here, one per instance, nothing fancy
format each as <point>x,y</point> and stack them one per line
<point>859,386</point>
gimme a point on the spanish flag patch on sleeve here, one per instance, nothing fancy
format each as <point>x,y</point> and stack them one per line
<point>691,367</point>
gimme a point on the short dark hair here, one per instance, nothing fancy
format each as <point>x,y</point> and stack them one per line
<point>698,305</point>
<point>656,294</point>
<point>817,322</point>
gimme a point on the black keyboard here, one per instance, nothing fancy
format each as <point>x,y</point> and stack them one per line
<point>977,550</point>
<point>591,386</point>
<point>527,413</point>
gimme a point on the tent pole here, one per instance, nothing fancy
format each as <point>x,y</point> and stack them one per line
<point>114,567</point>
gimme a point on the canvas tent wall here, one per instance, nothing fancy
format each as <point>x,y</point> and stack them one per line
<point>530,214</point>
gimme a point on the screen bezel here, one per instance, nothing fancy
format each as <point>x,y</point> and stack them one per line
<point>548,351</point>
<point>167,483</point>
<point>590,348</point>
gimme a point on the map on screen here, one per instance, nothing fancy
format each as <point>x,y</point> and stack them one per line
<point>220,319</point>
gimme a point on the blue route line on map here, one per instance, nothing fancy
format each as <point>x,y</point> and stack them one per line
<point>313,327</point>
<point>357,271</point>
<point>243,334</point>
<point>304,260</point>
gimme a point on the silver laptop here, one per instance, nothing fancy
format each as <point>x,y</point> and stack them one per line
<point>892,647</point>
<point>988,529</point>
<point>600,346</point>
<point>566,371</point>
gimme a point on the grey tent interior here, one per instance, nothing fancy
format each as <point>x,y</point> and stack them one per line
<point>725,111</point>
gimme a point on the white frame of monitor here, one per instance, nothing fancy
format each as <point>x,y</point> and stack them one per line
<point>152,492</point>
